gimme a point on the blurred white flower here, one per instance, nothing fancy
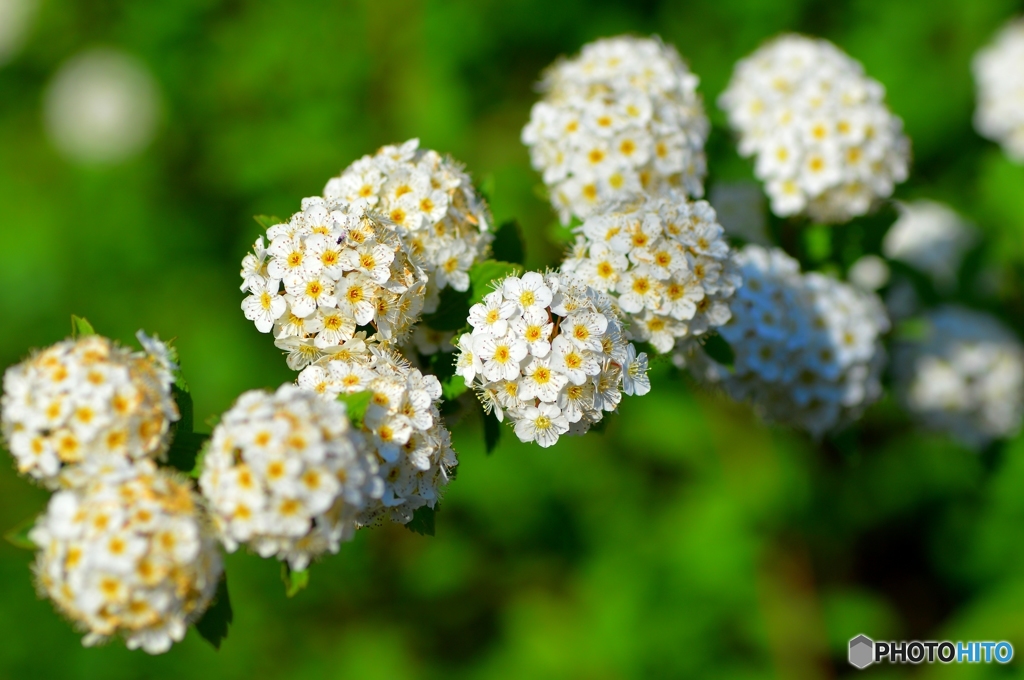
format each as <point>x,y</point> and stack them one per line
<point>869,272</point>
<point>15,22</point>
<point>824,140</point>
<point>999,75</point>
<point>128,555</point>
<point>930,237</point>
<point>965,377</point>
<point>88,402</point>
<point>622,117</point>
<point>102,106</point>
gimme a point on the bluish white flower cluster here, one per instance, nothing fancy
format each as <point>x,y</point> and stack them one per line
<point>807,347</point>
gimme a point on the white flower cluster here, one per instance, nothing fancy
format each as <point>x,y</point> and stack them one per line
<point>807,347</point>
<point>87,401</point>
<point>286,474</point>
<point>930,237</point>
<point>964,377</point>
<point>999,75</point>
<point>826,143</point>
<point>341,268</point>
<point>127,555</point>
<point>622,117</point>
<point>550,351</point>
<point>665,261</point>
<point>432,204</point>
<point>402,425</point>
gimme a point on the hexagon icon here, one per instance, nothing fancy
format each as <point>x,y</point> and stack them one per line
<point>862,651</point>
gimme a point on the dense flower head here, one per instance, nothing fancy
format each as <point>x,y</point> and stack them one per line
<point>825,142</point>
<point>551,353</point>
<point>622,117</point>
<point>330,275</point>
<point>402,426</point>
<point>430,201</point>
<point>665,262</point>
<point>286,474</point>
<point>807,347</point>
<point>931,237</point>
<point>87,401</point>
<point>999,75</point>
<point>128,555</point>
<point>965,376</point>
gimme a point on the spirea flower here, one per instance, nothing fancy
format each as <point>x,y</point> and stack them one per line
<point>331,269</point>
<point>128,555</point>
<point>622,117</point>
<point>965,376</point>
<point>931,237</point>
<point>87,401</point>
<point>431,203</point>
<point>402,426</point>
<point>665,262</point>
<point>999,75</point>
<point>550,352</point>
<point>807,347</point>
<point>825,142</point>
<point>286,474</point>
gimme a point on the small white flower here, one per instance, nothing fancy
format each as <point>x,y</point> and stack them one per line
<point>543,424</point>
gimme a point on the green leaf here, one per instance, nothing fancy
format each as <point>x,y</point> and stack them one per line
<point>453,387</point>
<point>422,521</point>
<point>18,536</point>
<point>452,311</point>
<point>80,327</point>
<point>268,221</point>
<point>483,274</point>
<point>486,187</point>
<point>294,581</point>
<point>509,245</point>
<point>186,451</point>
<point>818,242</point>
<point>356,405</point>
<point>492,432</point>
<point>718,349</point>
<point>213,625</point>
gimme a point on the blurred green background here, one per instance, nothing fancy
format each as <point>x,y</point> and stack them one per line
<point>687,539</point>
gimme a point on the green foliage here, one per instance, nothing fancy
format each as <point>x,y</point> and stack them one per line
<point>422,521</point>
<point>492,431</point>
<point>213,625</point>
<point>484,275</point>
<point>80,327</point>
<point>452,311</point>
<point>718,349</point>
<point>18,536</point>
<point>509,244</point>
<point>355,405</point>
<point>268,221</point>
<point>294,581</point>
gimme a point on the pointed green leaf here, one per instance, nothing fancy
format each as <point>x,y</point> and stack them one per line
<point>492,432</point>
<point>80,327</point>
<point>294,581</point>
<point>18,536</point>
<point>452,311</point>
<point>268,221</point>
<point>422,521</point>
<point>509,244</point>
<point>213,625</point>
<point>718,349</point>
<point>483,276</point>
<point>186,451</point>
<point>356,405</point>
